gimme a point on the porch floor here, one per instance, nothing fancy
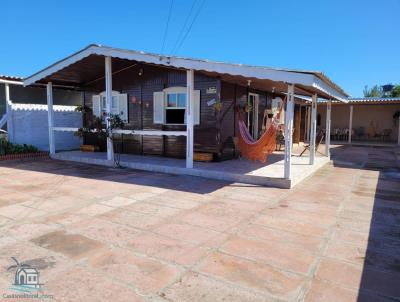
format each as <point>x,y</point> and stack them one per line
<point>239,170</point>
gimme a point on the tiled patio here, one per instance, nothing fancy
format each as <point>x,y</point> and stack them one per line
<point>270,173</point>
<point>104,234</point>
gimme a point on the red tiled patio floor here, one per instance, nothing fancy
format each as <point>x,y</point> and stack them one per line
<point>101,234</point>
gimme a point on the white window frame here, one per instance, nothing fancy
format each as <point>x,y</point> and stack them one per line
<point>177,91</point>
<point>103,102</point>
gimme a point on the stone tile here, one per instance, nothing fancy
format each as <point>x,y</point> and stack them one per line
<point>104,231</point>
<point>97,287</point>
<point>253,275</point>
<point>166,249</point>
<point>198,288</point>
<point>153,209</point>
<point>278,254</point>
<point>290,225</point>
<point>72,245</point>
<point>144,273</point>
<point>327,292</point>
<point>95,209</point>
<point>221,224</point>
<point>185,232</point>
<point>309,243</point>
<point>19,212</point>
<point>118,201</point>
<point>132,219</point>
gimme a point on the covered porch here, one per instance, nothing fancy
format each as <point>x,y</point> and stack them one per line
<point>96,67</point>
<point>270,173</point>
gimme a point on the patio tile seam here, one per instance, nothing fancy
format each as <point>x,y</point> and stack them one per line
<point>323,248</point>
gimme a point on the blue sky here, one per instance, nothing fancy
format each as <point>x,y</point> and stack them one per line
<point>354,42</point>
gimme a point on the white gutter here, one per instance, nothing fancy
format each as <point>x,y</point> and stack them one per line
<point>11,82</point>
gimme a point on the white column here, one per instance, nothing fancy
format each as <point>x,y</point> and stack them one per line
<point>289,132</point>
<point>328,128</point>
<point>398,134</point>
<point>110,147</point>
<point>189,117</point>
<point>50,115</point>
<point>313,134</point>
<point>350,123</point>
<point>10,126</point>
<point>308,124</point>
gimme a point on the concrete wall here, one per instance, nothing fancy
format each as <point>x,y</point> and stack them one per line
<point>381,115</point>
<point>31,127</point>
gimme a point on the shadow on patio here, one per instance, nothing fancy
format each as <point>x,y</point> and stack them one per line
<point>374,229</point>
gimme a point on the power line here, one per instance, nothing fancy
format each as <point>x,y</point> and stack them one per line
<point>166,26</point>
<point>184,26</point>
<point>191,25</point>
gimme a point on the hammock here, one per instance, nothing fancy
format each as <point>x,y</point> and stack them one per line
<point>258,149</point>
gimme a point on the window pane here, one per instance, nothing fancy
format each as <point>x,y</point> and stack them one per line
<point>181,100</point>
<point>171,100</point>
<point>114,102</point>
<point>175,116</point>
<point>104,102</point>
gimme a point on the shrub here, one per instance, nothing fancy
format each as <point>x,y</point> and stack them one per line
<point>9,148</point>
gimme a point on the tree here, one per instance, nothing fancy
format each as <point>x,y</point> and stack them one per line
<point>395,92</point>
<point>375,91</point>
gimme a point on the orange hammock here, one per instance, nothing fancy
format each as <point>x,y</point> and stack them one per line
<point>258,149</point>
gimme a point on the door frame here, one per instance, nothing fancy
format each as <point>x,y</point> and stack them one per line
<point>255,111</point>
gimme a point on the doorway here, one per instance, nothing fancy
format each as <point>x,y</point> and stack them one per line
<point>252,114</point>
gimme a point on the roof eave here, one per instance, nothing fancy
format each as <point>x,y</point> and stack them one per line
<point>299,78</point>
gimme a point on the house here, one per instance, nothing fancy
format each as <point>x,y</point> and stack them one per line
<point>27,276</point>
<point>176,106</point>
<point>371,120</point>
<point>23,113</point>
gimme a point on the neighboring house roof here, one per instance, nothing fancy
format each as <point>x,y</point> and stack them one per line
<point>373,100</point>
<point>308,81</point>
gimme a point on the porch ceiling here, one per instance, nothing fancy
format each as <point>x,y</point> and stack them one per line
<point>87,65</point>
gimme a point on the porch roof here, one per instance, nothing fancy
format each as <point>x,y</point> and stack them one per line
<point>87,65</point>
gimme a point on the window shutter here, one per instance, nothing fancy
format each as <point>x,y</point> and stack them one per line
<point>158,108</point>
<point>96,105</point>
<point>196,108</point>
<point>123,107</point>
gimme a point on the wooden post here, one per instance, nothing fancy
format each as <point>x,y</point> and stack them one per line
<point>10,126</point>
<point>350,123</point>
<point>189,117</point>
<point>108,67</point>
<point>308,123</point>
<point>289,132</point>
<point>50,115</point>
<point>328,128</point>
<point>313,134</point>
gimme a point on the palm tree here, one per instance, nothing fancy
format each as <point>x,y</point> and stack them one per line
<point>17,266</point>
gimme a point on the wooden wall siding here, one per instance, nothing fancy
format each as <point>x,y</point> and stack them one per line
<point>239,94</point>
<point>140,113</point>
<point>296,124</point>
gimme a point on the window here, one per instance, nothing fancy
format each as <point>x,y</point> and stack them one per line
<point>175,108</point>
<point>119,105</point>
<point>29,278</point>
<point>169,106</point>
<point>114,104</point>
